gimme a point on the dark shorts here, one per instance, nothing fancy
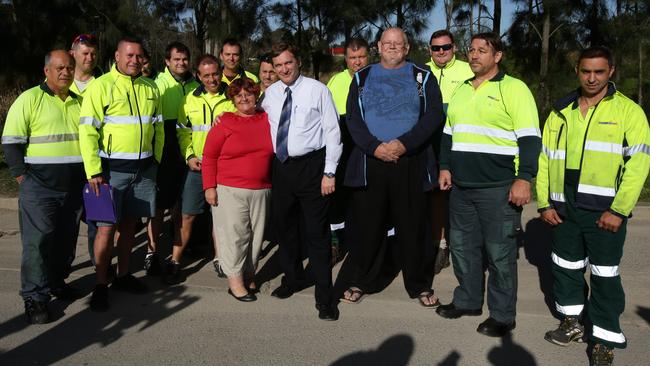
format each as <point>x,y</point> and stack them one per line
<point>193,202</point>
<point>170,183</point>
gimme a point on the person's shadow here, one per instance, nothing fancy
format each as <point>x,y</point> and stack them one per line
<point>510,354</point>
<point>644,313</point>
<point>87,328</point>
<point>394,351</point>
<point>536,240</point>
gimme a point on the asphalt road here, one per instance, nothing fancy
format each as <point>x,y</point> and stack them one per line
<point>198,323</point>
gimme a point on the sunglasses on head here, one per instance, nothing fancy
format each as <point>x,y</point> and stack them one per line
<point>444,47</point>
<point>85,39</point>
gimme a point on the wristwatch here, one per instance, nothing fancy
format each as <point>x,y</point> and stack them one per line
<point>329,175</point>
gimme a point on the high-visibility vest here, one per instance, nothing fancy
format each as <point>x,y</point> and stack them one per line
<point>615,155</point>
<point>120,121</point>
<point>339,85</point>
<point>450,77</point>
<point>195,118</point>
<point>47,125</point>
<point>241,74</point>
<point>172,93</point>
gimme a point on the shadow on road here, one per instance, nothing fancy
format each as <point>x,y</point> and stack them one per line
<point>644,313</point>
<point>536,241</point>
<point>128,313</point>
<point>394,351</point>
<point>510,354</point>
<point>451,360</point>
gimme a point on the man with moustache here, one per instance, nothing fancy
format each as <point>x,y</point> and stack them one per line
<point>595,160</point>
<point>393,108</point>
<point>489,153</point>
<point>195,117</point>
<point>307,142</point>
<point>121,135</point>
<point>41,145</point>
<point>230,55</point>
<point>174,83</point>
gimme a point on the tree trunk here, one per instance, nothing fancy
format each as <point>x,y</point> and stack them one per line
<point>400,15</point>
<point>471,17</point>
<point>299,25</point>
<point>544,94</point>
<point>496,21</point>
<point>449,10</point>
<point>478,18</point>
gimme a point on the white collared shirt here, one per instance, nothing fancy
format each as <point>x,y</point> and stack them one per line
<point>314,119</point>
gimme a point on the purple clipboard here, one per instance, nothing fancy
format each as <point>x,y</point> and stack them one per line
<point>102,207</point>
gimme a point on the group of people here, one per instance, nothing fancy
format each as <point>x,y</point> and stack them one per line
<point>440,157</point>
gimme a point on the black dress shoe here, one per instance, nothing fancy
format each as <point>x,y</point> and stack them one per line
<point>246,298</point>
<point>67,293</point>
<point>282,292</point>
<point>327,312</point>
<point>493,328</point>
<point>450,311</point>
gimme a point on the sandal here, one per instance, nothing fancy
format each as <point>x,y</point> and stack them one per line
<point>427,295</point>
<point>356,295</point>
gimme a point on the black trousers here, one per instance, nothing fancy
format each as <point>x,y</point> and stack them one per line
<point>393,195</point>
<point>297,200</point>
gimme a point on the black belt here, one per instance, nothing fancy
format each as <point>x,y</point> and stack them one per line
<point>306,156</point>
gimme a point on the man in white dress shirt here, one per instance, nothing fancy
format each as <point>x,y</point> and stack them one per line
<point>307,142</point>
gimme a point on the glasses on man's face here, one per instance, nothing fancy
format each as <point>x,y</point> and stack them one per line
<point>444,47</point>
<point>393,44</point>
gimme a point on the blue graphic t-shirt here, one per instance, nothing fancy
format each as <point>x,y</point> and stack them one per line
<point>391,104</point>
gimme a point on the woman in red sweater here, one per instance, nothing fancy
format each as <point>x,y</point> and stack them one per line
<point>237,180</point>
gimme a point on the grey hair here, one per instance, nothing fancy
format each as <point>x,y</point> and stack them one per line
<point>48,56</point>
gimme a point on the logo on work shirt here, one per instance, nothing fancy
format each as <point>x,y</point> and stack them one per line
<point>608,123</point>
<point>494,98</point>
<point>151,98</point>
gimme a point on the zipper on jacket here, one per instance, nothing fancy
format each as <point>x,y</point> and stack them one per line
<point>137,108</point>
<point>109,148</point>
<point>203,113</point>
<point>128,98</point>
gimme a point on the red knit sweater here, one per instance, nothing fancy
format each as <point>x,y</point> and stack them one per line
<point>238,152</point>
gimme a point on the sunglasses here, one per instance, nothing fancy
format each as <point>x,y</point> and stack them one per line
<point>444,47</point>
<point>88,39</point>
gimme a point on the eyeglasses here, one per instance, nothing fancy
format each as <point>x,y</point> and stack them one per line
<point>393,44</point>
<point>444,47</point>
<point>87,39</point>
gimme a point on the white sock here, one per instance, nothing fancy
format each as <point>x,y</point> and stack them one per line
<point>443,244</point>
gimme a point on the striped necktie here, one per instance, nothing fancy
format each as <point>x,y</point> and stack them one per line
<point>281,140</point>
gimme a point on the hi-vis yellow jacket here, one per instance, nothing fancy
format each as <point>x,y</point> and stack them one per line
<point>121,122</point>
<point>615,155</point>
<point>198,110</point>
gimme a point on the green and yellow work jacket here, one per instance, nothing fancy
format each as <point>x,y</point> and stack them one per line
<point>120,124</point>
<point>41,138</point>
<point>195,118</point>
<point>449,77</point>
<point>339,86</point>
<point>615,155</point>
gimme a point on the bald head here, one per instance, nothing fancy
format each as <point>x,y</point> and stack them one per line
<point>59,71</point>
<point>393,47</point>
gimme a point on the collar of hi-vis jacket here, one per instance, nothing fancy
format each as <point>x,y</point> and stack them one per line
<point>572,98</point>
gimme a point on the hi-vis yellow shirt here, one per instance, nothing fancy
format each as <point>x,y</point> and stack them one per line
<point>339,85</point>
<point>120,121</point>
<point>195,118</point>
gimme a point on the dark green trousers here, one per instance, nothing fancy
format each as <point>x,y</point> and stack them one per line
<point>483,221</point>
<point>578,243</point>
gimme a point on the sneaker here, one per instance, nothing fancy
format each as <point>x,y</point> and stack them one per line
<point>152,265</point>
<point>172,272</point>
<point>601,355</point>
<point>128,283</point>
<point>36,311</point>
<point>99,298</point>
<point>570,330</point>
<point>217,268</point>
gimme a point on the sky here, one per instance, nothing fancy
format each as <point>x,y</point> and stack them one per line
<point>437,18</point>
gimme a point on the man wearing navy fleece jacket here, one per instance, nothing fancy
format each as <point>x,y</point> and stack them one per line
<point>393,109</point>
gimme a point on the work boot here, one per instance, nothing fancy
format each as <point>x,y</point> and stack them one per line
<point>217,268</point>
<point>570,330</point>
<point>36,311</point>
<point>601,355</point>
<point>172,272</point>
